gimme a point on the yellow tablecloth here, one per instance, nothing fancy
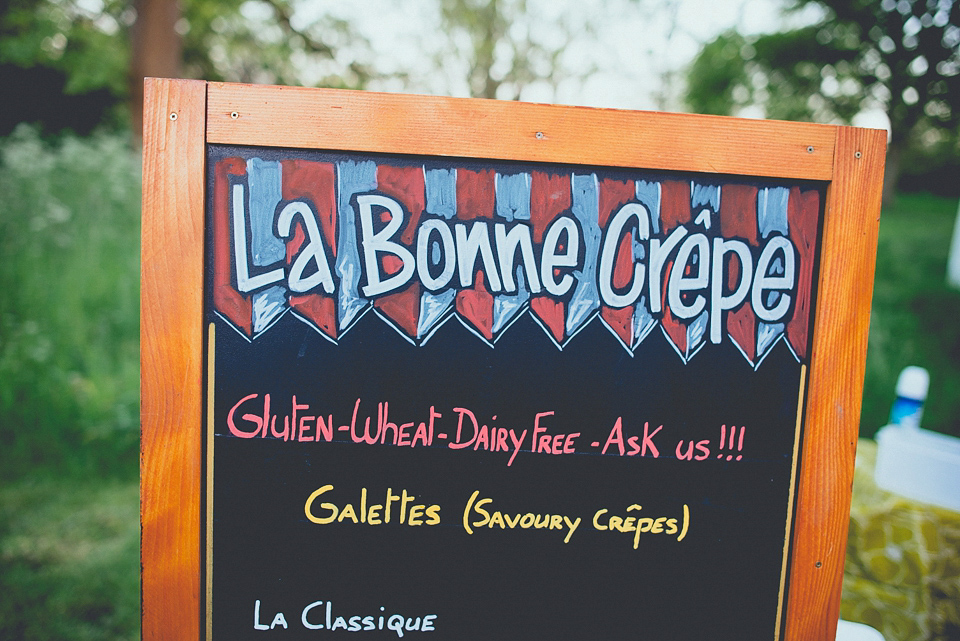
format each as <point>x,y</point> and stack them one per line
<point>902,573</point>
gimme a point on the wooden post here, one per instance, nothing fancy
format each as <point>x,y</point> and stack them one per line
<point>836,384</point>
<point>171,358</point>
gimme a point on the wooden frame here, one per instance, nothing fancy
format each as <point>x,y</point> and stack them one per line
<point>182,116</point>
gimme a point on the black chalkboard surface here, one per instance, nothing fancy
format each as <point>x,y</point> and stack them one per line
<point>460,399</point>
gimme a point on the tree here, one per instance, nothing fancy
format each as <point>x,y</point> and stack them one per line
<point>254,41</point>
<point>60,63</point>
<point>156,48</point>
<point>504,46</point>
<point>108,46</point>
<point>901,56</point>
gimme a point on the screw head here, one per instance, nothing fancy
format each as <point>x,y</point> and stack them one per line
<point>173,115</point>
<point>539,135</point>
<point>810,149</point>
<point>858,155</point>
<point>234,115</point>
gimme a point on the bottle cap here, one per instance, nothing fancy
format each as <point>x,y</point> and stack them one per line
<point>913,383</point>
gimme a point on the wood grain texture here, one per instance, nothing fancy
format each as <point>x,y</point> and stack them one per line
<point>366,121</point>
<point>172,272</point>
<point>171,358</point>
<point>836,384</point>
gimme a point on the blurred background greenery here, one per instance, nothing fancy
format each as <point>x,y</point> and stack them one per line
<point>71,72</point>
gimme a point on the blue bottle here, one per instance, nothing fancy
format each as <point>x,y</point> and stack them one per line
<point>912,386</point>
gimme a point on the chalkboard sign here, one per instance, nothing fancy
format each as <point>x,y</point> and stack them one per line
<point>495,393</point>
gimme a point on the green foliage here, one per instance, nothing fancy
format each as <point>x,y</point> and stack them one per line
<point>69,559</point>
<point>785,73</point>
<point>90,44</point>
<point>69,304</point>
<point>808,78</point>
<point>902,57</point>
<point>85,40</point>
<point>914,319</point>
<point>267,41</point>
<point>503,46</point>
<point>717,79</point>
<point>485,24</point>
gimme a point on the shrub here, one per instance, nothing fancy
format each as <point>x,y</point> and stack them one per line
<point>69,314</point>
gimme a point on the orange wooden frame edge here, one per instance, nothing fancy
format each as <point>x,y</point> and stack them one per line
<point>171,358</point>
<point>181,117</point>
<point>389,123</point>
<point>838,359</point>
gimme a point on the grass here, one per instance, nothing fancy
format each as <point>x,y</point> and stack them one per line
<point>69,559</point>
<point>915,314</point>
<point>69,388</point>
<point>69,373</point>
